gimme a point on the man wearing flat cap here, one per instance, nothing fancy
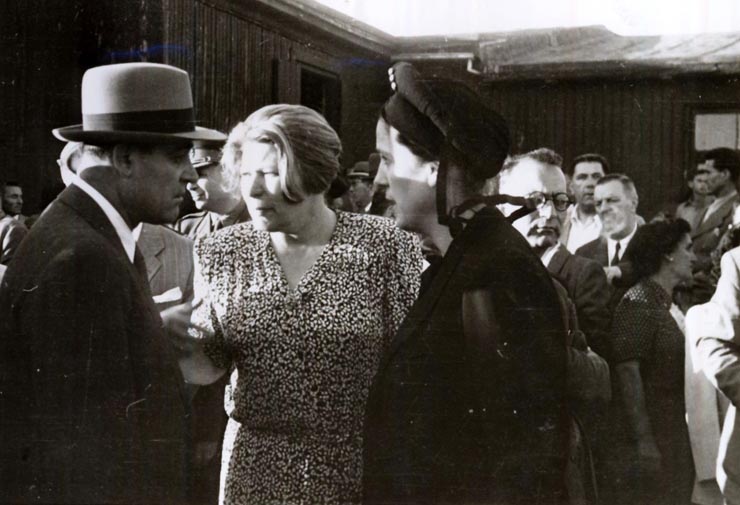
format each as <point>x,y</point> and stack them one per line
<point>360,187</point>
<point>90,391</point>
<point>468,404</point>
<point>215,194</point>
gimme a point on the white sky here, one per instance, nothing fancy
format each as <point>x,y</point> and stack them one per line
<point>626,17</point>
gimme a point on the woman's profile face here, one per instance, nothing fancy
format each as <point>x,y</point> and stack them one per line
<point>683,259</point>
<point>261,190</point>
<point>411,180</point>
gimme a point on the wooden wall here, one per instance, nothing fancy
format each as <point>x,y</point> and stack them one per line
<point>643,127</point>
<point>240,57</point>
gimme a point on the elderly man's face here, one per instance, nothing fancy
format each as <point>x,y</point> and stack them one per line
<point>585,175</point>
<point>13,200</point>
<point>542,227</point>
<point>160,175</point>
<point>617,209</point>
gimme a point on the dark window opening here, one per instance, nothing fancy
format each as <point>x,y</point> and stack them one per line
<point>321,91</point>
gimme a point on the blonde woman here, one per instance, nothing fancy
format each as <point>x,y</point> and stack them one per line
<point>303,300</point>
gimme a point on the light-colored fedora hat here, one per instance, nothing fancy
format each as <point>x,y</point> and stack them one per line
<point>136,103</point>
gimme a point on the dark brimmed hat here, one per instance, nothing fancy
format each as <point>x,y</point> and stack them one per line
<point>435,112</point>
<point>361,170</point>
<point>144,103</point>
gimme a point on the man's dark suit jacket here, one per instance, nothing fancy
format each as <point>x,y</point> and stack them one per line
<point>587,287</point>
<point>598,251</point>
<point>476,416</point>
<point>91,407</point>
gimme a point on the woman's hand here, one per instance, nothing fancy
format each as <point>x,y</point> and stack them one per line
<point>176,321</point>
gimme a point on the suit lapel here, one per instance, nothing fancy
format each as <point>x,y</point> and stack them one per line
<point>151,245</point>
<point>715,219</point>
<point>558,260</point>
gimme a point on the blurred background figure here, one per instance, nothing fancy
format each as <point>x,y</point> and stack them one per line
<point>360,187</point>
<point>13,201</point>
<point>215,194</point>
<point>582,224</point>
<point>12,232</point>
<point>692,209</point>
<point>652,455</point>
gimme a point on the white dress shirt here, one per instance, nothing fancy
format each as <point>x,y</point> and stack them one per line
<point>611,245</point>
<point>122,230</point>
<point>582,231</point>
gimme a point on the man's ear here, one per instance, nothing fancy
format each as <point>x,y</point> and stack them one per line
<point>432,168</point>
<point>121,159</point>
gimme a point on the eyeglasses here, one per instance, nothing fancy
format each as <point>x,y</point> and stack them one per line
<point>560,201</point>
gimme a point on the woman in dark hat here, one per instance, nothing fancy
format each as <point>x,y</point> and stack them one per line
<point>468,406</point>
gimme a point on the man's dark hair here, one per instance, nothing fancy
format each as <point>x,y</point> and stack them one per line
<point>725,158</point>
<point>588,157</point>
<point>652,242</point>
<point>11,183</point>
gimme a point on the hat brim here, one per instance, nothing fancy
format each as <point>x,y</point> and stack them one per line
<point>205,164</point>
<point>76,133</point>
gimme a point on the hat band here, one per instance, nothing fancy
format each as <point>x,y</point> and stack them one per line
<point>156,121</point>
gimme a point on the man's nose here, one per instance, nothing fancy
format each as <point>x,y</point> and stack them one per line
<point>547,210</point>
<point>189,174</point>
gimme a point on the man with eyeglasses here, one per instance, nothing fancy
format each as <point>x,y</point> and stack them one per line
<point>537,175</point>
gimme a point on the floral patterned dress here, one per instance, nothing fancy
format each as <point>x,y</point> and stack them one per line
<point>306,356</point>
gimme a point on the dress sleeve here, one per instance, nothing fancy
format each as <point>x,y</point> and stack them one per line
<point>204,314</point>
<point>402,279</point>
<point>634,328</point>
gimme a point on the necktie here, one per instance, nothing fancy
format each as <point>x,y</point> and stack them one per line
<point>615,259</point>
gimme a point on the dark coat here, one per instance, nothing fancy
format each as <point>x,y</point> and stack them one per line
<point>587,287</point>
<point>598,250</point>
<point>477,417</point>
<point>91,408</point>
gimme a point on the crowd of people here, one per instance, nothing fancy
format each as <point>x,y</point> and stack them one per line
<point>446,322</point>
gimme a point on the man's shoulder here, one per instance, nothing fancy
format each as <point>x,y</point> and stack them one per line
<point>169,237</point>
<point>591,249</point>
<point>187,222</point>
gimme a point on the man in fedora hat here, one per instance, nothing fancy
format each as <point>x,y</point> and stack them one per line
<point>90,393</point>
<point>360,187</point>
<point>215,194</point>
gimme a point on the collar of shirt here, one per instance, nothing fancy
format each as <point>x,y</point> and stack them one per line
<point>575,217</point>
<point>547,256</point>
<point>122,230</point>
<point>611,244</point>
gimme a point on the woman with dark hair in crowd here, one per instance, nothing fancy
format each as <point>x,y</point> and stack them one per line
<point>303,301</point>
<point>648,353</point>
<point>469,404</point>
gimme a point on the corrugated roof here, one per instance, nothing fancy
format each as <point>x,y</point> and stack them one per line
<point>597,52</point>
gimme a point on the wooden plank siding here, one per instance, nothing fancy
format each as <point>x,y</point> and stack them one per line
<point>644,128</point>
<point>239,64</point>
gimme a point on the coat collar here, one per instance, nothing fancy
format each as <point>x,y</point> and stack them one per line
<point>89,211</point>
<point>716,218</point>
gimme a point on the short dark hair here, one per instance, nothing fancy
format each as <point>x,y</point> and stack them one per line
<point>725,159</point>
<point>11,183</point>
<point>588,157</point>
<point>652,242</point>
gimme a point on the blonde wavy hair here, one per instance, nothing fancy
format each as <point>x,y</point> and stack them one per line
<point>308,149</point>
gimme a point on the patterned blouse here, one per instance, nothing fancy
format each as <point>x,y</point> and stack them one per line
<point>305,356</point>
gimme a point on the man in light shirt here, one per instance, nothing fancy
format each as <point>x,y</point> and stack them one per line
<point>582,223</point>
<point>92,398</point>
